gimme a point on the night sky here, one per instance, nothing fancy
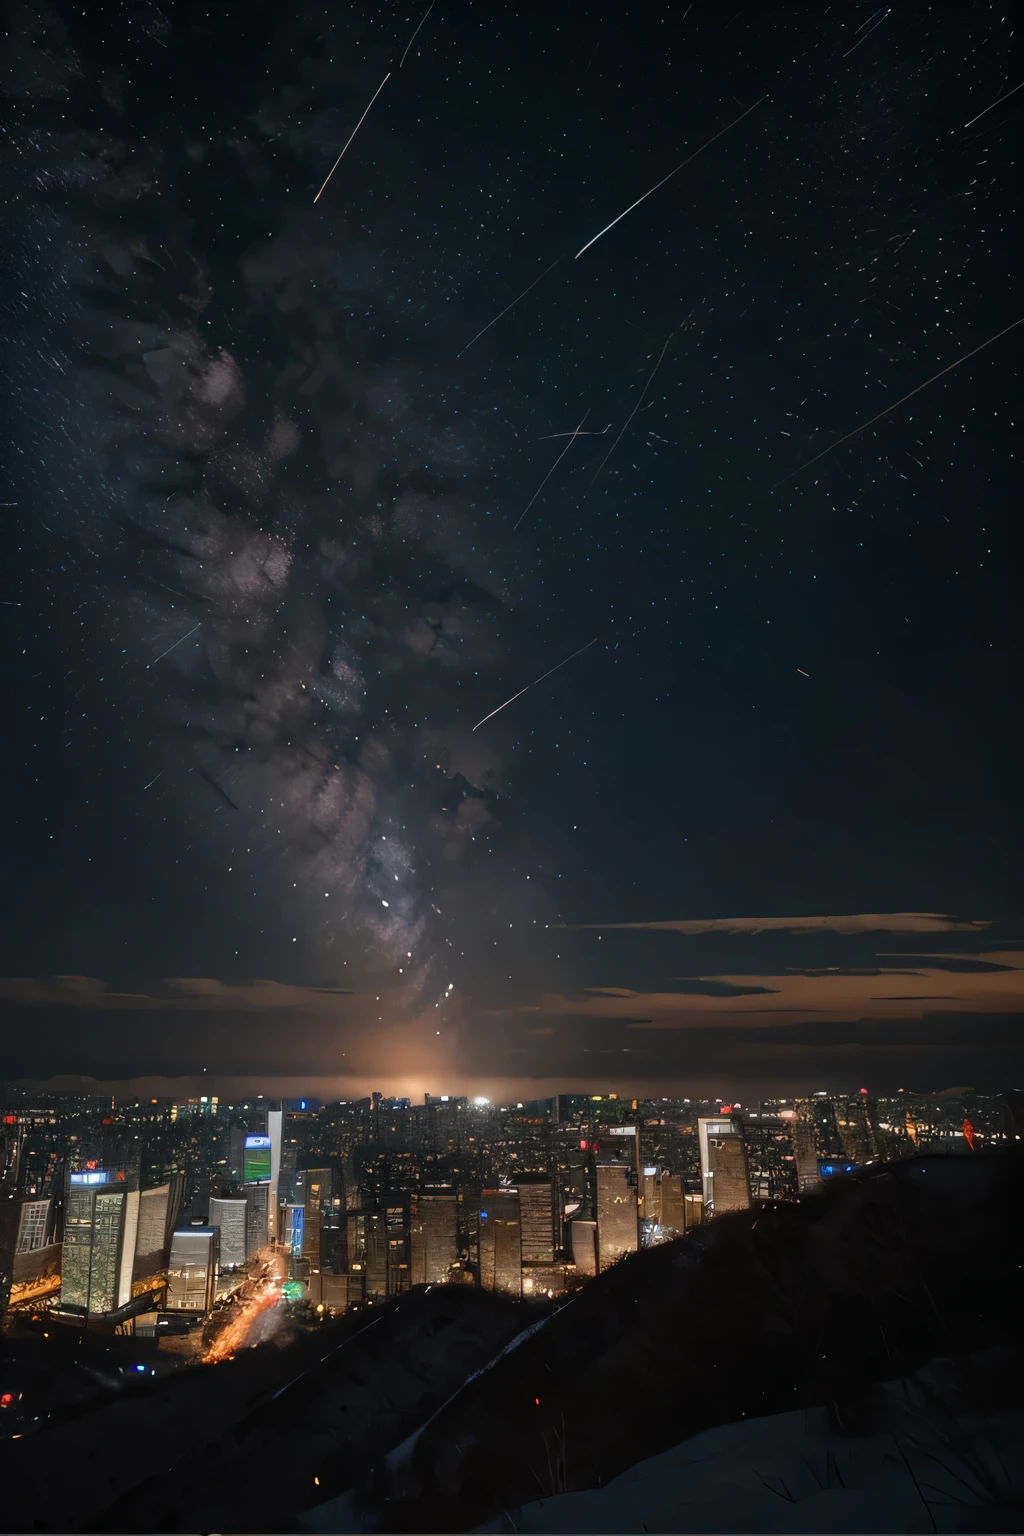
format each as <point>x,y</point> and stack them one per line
<point>280,527</point>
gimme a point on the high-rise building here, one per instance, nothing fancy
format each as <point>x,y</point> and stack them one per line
<point>261,1166</point>
<point>317,1187</point>
<point>159,1210</point>
<point>501,1263</point>
<point>397,1228</point>
<point>470,1198</point>
<point>100,1231</point>
<point>805,1145</point>
<point>856,1132</point>
<point>537,1219</point>
<point>650,1200</point>
<point>192,1274</point>
<point>434,1236</point>
<point>817,1136</point>
<point>29,1258</point>
<point>723,1165</point>
<point>293,1221</point>
<point>618,1226</point>
<point>257,1218</point>
<point>229,1216</point>
<point>673,1207</point>
<point>583,1246</point>
<point>375,1280</point>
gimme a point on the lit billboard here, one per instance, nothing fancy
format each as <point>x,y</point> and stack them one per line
<point>256,1160</point>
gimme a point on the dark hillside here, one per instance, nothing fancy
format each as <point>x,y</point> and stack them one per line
<point>754,1315</point>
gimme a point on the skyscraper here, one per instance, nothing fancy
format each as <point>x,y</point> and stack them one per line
<point>501,1263</point>
<point>228,1215</point>
<point>261,1167</point>
<point>673,1207</point>
<point>652,1201</point>
<point>397,1229</point>
<point>192,1274</point>
<point>100,1229</point>
<point>856,1133</point>
<point>376,1254</point>
<point>537,1219</point>
<point>257,1218</point>
<point>434,1244</point>
<point>618,1226</point>
<point>293,1221</point>
<point>318,1197</point>
<point>583,1246</point>
<point>805,1146</point>
<point>723,1165</point>
<point>815,1135</point>
<point>34,1265</point>
<point>159,1210</point>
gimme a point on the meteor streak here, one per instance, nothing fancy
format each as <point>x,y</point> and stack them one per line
<point>416,34</point>
<point>633,412</point>
<point>572,438</point>
<point>897,403</point>
<point>509,306</point>
<point>550,436</point>
<point>536,680</point>
<point>356,129</point>
<point>663,180</point>
<point>995,104</point>
<point>171,648</point>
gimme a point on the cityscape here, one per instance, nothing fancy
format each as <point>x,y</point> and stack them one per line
<point>184,1220</point>
<point>409,1309</point>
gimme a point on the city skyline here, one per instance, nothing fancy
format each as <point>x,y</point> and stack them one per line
<point>154,1212</point>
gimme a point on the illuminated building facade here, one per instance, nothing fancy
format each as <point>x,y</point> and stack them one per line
<point>583,1246</point>
<point>100,1231</point>
<point>857,1134</point>
<point>318,1198</point>
<point>192,1273</point>
<point>293,1220</point>
<point>159,1210</point>
<point>618,1216</point>
<point>673,1204</point>
<point>35,1267</point>
<point>229,1216</point>
<point>434,1236</point>
<point>723,1165</point>
<point>376,1255</point>
<point>501,1263</point>
<point>537,1219</point>
<point>257,1218</point>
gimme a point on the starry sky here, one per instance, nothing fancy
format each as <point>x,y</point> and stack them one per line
<point>300,489</point>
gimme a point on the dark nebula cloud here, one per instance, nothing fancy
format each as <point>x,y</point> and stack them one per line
<point>275,490</point>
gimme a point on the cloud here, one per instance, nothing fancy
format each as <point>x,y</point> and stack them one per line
<point>870,922</point>
<point>180,994</point>
<point>839,995</point>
